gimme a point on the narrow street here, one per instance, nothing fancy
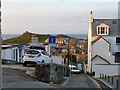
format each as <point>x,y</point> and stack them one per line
<point>18,79</point>
<point>80,81</point>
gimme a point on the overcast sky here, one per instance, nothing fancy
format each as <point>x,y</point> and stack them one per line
<point>53,16</point>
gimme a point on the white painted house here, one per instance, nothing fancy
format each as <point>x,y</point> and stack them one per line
<point>103,46</point>
<point>13,53</point>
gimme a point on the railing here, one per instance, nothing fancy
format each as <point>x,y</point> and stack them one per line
<point>112,80</point>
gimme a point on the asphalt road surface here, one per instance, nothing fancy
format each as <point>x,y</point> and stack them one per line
<point>80,81</point>
<point>18,79</point>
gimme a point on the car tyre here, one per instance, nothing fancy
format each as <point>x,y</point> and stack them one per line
<point>25,64</point>
<point>43,61</point>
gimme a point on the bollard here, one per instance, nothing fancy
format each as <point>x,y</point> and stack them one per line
<point>100,75</point>
<point>108,78</point>
<point>112,80</point>
<point>117,83</point>
<point>105,77</point>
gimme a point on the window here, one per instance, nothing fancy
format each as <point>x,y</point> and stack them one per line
<point>117,57</point>
<point>102,30</point>
<point>32,52</point>
<point>14,52</point>
<point>117,39</point>
<point>114,22</point>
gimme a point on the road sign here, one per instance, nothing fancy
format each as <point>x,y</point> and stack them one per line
<point>52,39</point>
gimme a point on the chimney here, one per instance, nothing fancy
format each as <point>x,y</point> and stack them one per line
<point>91,17</point>
<point>34,40</point>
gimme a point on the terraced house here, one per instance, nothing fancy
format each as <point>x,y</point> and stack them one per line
<point>103,46</point>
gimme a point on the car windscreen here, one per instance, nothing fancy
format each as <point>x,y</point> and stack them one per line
<point>32,52</point>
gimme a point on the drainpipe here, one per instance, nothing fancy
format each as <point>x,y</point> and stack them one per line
<point>0,52</point>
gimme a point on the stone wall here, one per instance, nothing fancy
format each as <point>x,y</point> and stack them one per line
<point>6,61</point>
<point>50,73</point>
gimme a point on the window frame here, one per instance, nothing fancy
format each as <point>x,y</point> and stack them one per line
<point>116,59</point>
<point>117,41</point>
<point>102,30</point>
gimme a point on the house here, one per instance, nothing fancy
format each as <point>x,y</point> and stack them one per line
<point>103,46</point>
<point>12,53</point>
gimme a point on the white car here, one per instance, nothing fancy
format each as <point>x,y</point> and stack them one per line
<point>33,56</point>
<point>74,69</point>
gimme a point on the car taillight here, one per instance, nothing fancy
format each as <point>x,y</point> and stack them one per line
<point>38,61</point>
<point>39,55</point>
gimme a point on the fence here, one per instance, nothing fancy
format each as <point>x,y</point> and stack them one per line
<point>114,81</point>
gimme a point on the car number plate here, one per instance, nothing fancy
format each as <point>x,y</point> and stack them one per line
<point>31,56</point>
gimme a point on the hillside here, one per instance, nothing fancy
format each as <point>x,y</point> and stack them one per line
<point>26,38</point>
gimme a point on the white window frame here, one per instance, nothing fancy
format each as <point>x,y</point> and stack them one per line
<point>106,30</point>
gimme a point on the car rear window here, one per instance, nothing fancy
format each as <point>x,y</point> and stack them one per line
<point>32,52</point>
<point>74,68</point>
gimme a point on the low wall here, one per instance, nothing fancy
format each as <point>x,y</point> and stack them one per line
<point>111,69</point>
<point>50,73</point>
<point>6,61</point>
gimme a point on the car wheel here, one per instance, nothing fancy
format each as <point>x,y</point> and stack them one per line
<point>24,64</point>
<point>43,61</point>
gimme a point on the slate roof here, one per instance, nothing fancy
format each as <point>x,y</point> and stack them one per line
<point>114,26</point>
<point>99,37</point>
<point>101,58</point>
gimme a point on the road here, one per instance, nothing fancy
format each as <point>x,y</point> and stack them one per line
<point>80,81</point>
<point>18,79</point>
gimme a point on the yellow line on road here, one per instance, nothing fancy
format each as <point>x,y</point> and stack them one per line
<point>95,82</point>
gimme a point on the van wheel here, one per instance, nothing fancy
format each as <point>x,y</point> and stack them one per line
<point>24,64</point>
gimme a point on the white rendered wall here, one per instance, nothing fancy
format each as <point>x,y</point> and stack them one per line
<point>57,59</point>
<point>101,48</point>
<point>8,54</point>
<point>97,61</point>
<point>110,70</point>
<point>89,43</point>
<point>113,48</point>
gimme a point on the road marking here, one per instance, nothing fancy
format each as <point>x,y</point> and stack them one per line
<point>66,81</point>
<point>95,82</point>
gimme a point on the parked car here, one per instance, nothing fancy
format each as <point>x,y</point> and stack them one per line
<point>33,56</point>
<point>74,69</point>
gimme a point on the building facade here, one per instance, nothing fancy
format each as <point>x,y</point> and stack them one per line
<point>103,45</point>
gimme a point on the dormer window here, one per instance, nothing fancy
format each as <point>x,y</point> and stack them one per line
<point>102,29</point>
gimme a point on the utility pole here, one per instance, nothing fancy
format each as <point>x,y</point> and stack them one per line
<point>68,53</point>
<point>0,51</point>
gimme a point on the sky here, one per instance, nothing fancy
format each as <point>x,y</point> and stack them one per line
<point>53,16</point>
